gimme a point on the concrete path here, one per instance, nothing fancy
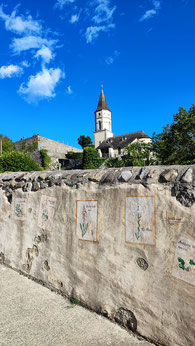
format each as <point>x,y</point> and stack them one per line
<point>32,315</point>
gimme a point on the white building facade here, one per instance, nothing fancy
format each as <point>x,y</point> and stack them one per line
<point>105,142</point>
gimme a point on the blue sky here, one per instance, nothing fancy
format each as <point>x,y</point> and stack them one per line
<point>55,54</point>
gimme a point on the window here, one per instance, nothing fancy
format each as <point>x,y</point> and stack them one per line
<point>100,125</point>
<point>119,151</point>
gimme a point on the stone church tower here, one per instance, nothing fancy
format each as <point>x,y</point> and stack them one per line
<point>103,122</point>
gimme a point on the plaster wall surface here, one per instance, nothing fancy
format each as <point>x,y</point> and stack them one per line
<point>134,262</point>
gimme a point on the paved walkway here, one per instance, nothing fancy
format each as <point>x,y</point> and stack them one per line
<point>32,315</point>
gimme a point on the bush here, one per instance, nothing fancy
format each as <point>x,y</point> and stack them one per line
<point>16,161</point>
<point>7,144</point>
<point>74,156</point>
<point>91,159</point>
<point>46,159</point>
<point>114,162</point>
<point>27,147</point>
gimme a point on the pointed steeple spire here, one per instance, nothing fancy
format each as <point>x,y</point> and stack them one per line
<point>102,104</point>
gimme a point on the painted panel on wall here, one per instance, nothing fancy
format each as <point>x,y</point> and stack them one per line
<point>140,220</point>
<point>20,208</point>
<point>46,212</point>
<point>87,220</point>
<point>184,264</point>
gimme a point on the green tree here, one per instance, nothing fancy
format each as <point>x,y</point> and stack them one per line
<point>16,161</point>
<point>176,144</point>
<point>91,158</point>
<point>7,144</point>
<point>139,154</point>
<point>85,141</point>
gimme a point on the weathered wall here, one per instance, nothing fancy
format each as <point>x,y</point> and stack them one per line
<point>55,149</point>
<point>127,251</point>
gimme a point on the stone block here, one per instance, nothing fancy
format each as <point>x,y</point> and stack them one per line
<point>169,175</point>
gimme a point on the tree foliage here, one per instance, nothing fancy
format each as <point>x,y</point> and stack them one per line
<point>176,144</point>
<point>91,158</point>
<point>74,156</point>
<point>16,161</point>
<point>139,154</point>
<point>7,144</point>
<point>85,141</point>
<point>114,162</point>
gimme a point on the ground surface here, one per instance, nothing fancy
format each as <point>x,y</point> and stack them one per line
<point>32,315</point>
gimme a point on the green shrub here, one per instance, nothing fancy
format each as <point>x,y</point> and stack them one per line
<point>22,145</point>
<point>16,161</point>
<point>27,147</point>
<point>74,156</point>
<point>114,162</point>
<point>91,159</point>
<point>7,144</point>
<point>32,147</point>
<point>46,159</point>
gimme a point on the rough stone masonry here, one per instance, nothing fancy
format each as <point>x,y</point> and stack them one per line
<point>121,241</point>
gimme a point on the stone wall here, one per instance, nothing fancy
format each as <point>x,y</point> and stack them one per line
<point>56,150</point>
<point>121,241</point>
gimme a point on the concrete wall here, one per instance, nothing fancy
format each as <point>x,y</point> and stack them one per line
<point>127,251</point>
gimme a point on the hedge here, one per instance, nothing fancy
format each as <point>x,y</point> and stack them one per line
<point>16,161</point>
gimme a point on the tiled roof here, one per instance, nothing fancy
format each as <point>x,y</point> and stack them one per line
<point>122,141</point>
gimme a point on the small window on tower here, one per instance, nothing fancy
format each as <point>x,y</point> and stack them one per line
<point>99,113</point>
<point>100,125</point>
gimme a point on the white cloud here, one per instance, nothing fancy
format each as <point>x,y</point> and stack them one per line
<point>45,53</point>
<point>62,3</point>
<point>42,85</point>
<point>69,90</point>
<point>29,42</point>
<point>151,13</point>
<point>10,71</point>
<point>103,12</point>
<point>20,24</point>
<point>148,14</point>
<point>156,4</point>
<point>25,63</point>
<point>102,16</point>
<point>92,32</point>
<point>74,18</point>
<point>111,59</point>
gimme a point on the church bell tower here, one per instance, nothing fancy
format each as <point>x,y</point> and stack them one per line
<point>103,121</point>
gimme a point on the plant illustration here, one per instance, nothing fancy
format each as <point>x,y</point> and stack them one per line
<point>138,233</point>
<point>84,225</point>
<point>192,263</point>
<point>182,264</point>
<point>18,211</point>
<point>84,228</point>
<point>44,215</point>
